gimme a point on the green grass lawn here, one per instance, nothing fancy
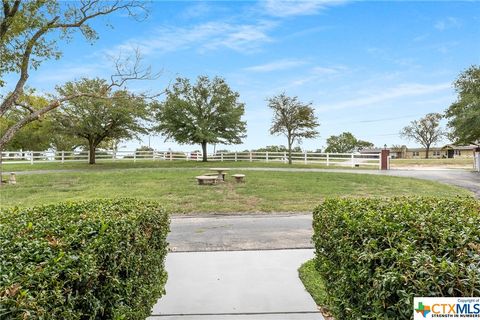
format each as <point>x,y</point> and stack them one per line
<point>314,285</point>
<point>121,164</point>
<point>178,191</point>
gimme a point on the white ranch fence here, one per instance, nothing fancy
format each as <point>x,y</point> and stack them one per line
<point>327,159</point>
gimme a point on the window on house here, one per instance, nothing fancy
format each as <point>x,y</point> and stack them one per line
<point>416,153</point>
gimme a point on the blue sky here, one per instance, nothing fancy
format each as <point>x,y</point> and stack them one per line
<point>367,67</point>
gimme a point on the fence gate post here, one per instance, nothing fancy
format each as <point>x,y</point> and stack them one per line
<point>476,159</point>
<point>384,159</point>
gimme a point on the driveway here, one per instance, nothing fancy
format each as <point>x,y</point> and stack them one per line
<point>240,232</point>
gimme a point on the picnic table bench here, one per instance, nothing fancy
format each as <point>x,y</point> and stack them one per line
<point>239,177</point>
<point>206,179</point>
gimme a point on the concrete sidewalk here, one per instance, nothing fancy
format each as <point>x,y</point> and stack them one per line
<point>235,285</point>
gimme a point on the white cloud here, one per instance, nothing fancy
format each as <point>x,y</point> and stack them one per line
<point>243,38</point>
<point>285,8</point>
<point>447,23</point>
<point>68,73</point>
<point>317,74</point>
<point>401,91</point>
<point>197,10</point>
<point>276,65</point>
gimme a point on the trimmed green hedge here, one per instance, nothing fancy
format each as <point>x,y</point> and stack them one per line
<point>101,259</point>
<point>375,255</point>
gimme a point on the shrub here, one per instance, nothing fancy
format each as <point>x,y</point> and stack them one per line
<point>375,255</point>
<point>101,259</point>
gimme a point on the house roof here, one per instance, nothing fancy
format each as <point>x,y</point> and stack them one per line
<point>452,146</point>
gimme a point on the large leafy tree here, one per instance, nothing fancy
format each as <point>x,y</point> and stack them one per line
<point>346,142</point>
<point>426,131</point>
<point>294,119</point>
<point>464,114</point>
<point>120,115</point>
<point>29,34</point>
<point>281,148</point>
<point>206,112</point>
<point>34,136</point>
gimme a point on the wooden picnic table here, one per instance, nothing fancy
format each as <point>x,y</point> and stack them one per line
<point>220,172</point>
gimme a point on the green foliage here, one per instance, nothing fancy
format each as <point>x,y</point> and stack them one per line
<point>313,282</point>
<point>426,131</point>
<point>100,259</point>
<point>207,112</point>
<point>31,29</point>
<point>345,143</point>
<point>38,135</point>
<point>280,148</point>
<point>120,115</point>
<point>464,114</point>
<point>293,119</point>
<point>375,255</point>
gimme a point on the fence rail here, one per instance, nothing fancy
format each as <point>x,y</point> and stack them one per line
<point>328,159</point>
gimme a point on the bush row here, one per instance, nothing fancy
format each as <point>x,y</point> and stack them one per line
<point>375,255</point>
<point>101,259</point>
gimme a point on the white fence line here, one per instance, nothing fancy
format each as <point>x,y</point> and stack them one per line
<point>328,159</point>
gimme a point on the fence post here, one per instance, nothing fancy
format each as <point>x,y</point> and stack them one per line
<point>284,156</point>
<point>186,156</point>
<point>221,156</point>
<point>63,157</point>
<point>31,157</point>
<point>235,156</point>
<point>171,155</point>
<point>305,157</point>
<point>328,159</point>
<point>384,159</point>
<point>134,156</point>
<point>88,155</point>
<point>250,156</point>
<point>476,158</point>
<point>353,161</point>
<point>266,156</point>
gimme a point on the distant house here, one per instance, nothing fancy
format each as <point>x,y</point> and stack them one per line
<point>447,151</point>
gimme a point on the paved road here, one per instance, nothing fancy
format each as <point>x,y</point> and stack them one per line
<point>460,178</point>
<point>241,232</point>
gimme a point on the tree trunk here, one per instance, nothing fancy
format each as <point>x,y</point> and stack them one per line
<point>91,148</point>
<point>427,151</point>
<point>204,150</point>
<point>289,151</point>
